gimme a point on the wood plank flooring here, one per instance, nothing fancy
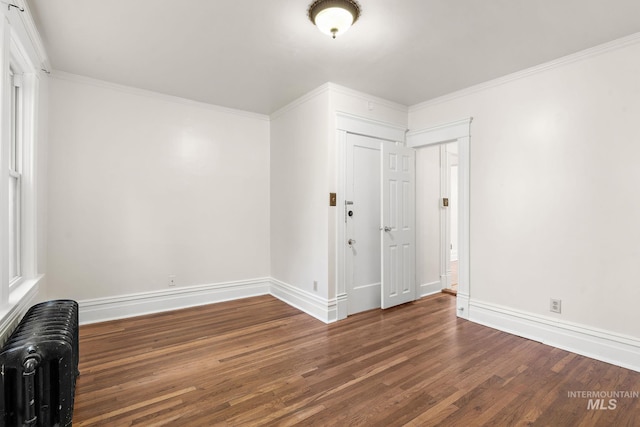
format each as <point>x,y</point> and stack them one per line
<point>259,361</point>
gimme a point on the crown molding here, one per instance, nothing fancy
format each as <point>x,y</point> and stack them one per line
<point>556,63</point>
<point>34,35</point>
<point>76,78</point>
<point>332,87</point>
<point>302,100</point>
<point>369,98</point>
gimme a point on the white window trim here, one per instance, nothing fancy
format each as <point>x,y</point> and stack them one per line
<point>13,292</point>
<point>15,170</point>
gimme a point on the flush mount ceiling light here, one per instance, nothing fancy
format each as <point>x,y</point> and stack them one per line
<point>334,17</point>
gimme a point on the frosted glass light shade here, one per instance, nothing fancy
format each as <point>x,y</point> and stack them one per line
<point>334,21</point>
<point>334,17</point>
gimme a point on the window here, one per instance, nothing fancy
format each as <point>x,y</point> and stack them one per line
<point>15,180</point>
<point>20,142</point>
<point>18,245</point>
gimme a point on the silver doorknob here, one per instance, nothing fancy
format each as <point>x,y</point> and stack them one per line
<point>351,242</point>
<point>385,228</point>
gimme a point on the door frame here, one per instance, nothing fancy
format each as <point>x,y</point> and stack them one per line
<point>459,131</point>
<point>445,215</point>
<point>345,124</point>
<point>445,219</point>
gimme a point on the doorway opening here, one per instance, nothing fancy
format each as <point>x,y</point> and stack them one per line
<point>437,137</point>
<point>437,218</point>
<point>433,137</point>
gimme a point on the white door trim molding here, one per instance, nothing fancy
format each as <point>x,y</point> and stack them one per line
<point>348,123</point>
<point>460,131</point>
<point>367,127</point>
<point>440,134</point>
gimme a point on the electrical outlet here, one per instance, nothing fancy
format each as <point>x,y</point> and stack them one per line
<point>555,306</point>
<point>172,280</point>
<point>315,285</point>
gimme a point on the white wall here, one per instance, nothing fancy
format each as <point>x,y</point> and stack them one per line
<point>300,194</point>
<point>143,186</point>
<point>554,189</point>
<point>42,182</point>
<point>304,171</point>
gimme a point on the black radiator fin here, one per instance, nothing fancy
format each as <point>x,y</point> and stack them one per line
<point>39,366</point>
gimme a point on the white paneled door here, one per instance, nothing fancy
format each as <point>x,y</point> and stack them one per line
<point>398,225</point>
<point>362,213</point>
<point>380,224</point>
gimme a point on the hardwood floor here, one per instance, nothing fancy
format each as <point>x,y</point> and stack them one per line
<point>259,361</point>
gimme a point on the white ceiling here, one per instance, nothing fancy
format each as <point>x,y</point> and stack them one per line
<point>259,55</point>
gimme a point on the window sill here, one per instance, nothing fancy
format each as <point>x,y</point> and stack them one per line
<point>20,299</point>
<point>23,289</point>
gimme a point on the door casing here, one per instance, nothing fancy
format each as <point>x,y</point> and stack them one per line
<point>345,124</point>
<point>459,131</point>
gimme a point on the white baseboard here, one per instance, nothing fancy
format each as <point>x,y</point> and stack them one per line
<point>313,305</point>
<point>111,308</point>
<point>597,344</point>
<point>462,305</point>
<point>429,289</point>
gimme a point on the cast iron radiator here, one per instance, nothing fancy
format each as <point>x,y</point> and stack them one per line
<point>39,365</point>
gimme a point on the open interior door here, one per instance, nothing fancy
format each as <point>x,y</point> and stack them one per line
<point>398,225</point>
